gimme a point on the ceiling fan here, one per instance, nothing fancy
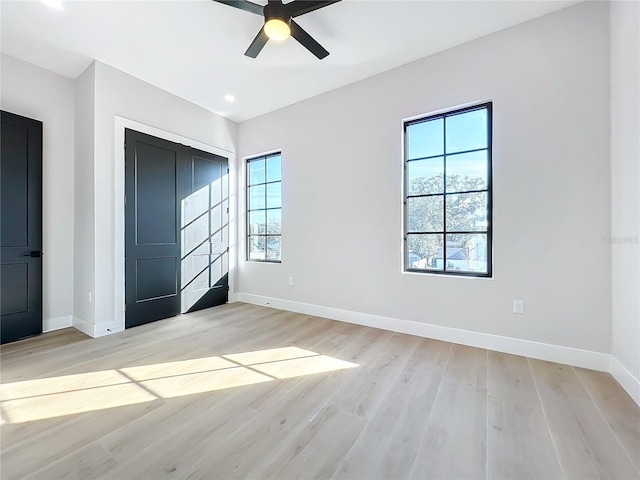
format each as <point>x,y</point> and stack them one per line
<point>279,24</point>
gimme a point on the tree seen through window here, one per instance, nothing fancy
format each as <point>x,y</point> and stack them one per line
<point>448,192</point>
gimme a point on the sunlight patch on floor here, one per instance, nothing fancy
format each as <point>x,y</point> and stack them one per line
<point>271,355</point>
<point>38,399</point>
<point>303,366</point>
<point>78,401</point>
<point>180,367</point>
<point>66,383</point>
<point>172,387</point>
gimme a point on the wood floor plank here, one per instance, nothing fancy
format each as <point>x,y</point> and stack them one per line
<point>617,407</point>
<point>244,453</point>
<point>46,445</point>
<point>586,446</point>
<point>435,351</point>
<point>145,431</point>
<point>557,378</point>
<point>332,435</point>
<point>468,364</point>
<point>519,444</point>
<point>389,443</point>
<point>316,450</point>
<point>49,362</point>
<point>57,338</point>
<point>173,456</point>
<point>345,347</point>
<point>375,378</point>
<point>90,461</point>
<point>509,378</point>
<point>360,403</point>
<point>454,445</point>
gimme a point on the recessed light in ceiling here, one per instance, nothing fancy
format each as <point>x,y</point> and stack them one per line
<point>53,4</point>
<point>230,98</point>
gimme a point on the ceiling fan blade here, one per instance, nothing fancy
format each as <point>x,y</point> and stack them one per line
<point>245,5</point>
<point>257,45</point>
<point>307,41</point>
<point>300,7</point>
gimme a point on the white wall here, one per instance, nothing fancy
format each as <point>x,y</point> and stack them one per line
<point>625,191</point>
<point>84,205</point>
<point>36,93</point>
<point>342,174</point>
<point>119,95</point>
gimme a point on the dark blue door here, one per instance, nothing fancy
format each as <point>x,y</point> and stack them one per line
<point>176,229</point>
<point>20,227</point>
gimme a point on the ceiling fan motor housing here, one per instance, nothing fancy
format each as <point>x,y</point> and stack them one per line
<point>276,9</point>
<point>279,24</point>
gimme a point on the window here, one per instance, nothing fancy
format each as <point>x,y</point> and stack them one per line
<point>447,203</point>
<point>264,208</point>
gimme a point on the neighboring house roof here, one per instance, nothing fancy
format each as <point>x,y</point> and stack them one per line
<point>453,253</point>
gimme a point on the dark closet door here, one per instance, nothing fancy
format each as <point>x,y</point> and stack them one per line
<point>152,233</point>
<point>173,201</point>
<point>21,227</point>
<point>205,233</point>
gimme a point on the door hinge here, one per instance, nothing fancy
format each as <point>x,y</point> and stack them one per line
<point>227,209</point>
<point>125,199</point>
<point>227,170</point>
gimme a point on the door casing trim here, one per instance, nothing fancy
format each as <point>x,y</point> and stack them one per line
<point>122,123</point>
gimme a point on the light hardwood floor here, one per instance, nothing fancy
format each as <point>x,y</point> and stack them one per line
<point>242,391</point>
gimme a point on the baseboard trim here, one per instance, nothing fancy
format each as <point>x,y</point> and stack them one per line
<point>51,324</point>
<point>542,351</point>
<point>84,326</point>
<point>553,353</point>
<point>625,378</point>
<point>106,328</point>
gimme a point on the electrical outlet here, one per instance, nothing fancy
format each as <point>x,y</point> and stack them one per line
<point>290,280</point>
<point>518,306</point>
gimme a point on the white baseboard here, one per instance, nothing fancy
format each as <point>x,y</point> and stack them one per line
<point>93,330</point>
<point>625,378</point>
<point>84,326</point>
<point>106,328</point>
<point>51,324</point>
<point>542,351</point>
<point>553,353</point>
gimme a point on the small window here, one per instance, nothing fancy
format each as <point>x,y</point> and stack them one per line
<point>447,201</point>
<point>264,208</point>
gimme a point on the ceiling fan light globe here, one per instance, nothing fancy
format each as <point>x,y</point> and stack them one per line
<point>277,29</point>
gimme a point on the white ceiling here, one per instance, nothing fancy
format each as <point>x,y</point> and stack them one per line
<point>195,48</point>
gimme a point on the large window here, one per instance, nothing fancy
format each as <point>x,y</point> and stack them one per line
<point>264,208</point>
<point>448,193</point>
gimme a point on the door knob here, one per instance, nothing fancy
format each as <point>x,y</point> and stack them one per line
<point>33,254</point>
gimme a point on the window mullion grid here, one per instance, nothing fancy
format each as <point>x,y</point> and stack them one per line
<point>444,193</point>
<point>488,230</point>
<point>421,195</point>
<point>248,206</point>
<point>266,250</point>
<point>462,152</point>
<point>405,213</point>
